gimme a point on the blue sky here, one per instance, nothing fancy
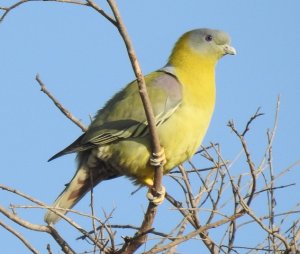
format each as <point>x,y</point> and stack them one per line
<point>82,60</point>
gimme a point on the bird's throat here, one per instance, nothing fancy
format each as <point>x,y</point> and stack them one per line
<point>196,73</point>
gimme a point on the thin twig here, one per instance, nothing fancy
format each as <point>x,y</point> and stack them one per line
<point>232,225</point>
<point>197,170</point>
<point>247,153</point>
<point>256,249</point>
<point>92,207</point>
<point>110,233</point>
<point>23,223</point>
<point>45,228</point>
<point>66,112</point>
<point>126,227</point>
<point>49,249</point>
<point>180,229</point>
<point>204,235</point>
<point>61,242</point>
<point>96,7</point>
<point>40,228</point>
<point>196,232</point>
<point>270,193</point>
<point>188,188</point>
<point>267,217</point>
<point>252,118</point>
<point>194,222</point>
<point>21,237</point>
<point>260,223</point>
<point>273,132</point>
<point>273,188</point>
<point>17,4</point>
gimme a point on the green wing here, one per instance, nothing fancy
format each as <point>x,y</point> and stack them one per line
<point>123,116</point>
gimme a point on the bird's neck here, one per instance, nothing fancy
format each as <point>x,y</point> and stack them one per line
<point>188,61</point>
<point>196,73</point>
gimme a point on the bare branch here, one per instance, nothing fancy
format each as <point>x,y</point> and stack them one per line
<point>45,228</point>
<point>156,148</point>
<point>18,235</point>
<point>252,118</point>
<point>266,217</point>
<point>17,4</point>
<point>272,132</point>
<point>196,232</point>
<point>141,237</point>
<point>247,153</point>
<point>66,112</point>
<point>96,7</point>
<point>61,242</point>
<point>194,222</point>
<point>188,187</point>
<point>270,231</point>
<point>22,222</point>
<point>127,227</point>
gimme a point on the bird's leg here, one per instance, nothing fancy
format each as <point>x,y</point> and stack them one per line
<point>158,197</point>
<point>154,196</point>
<point>158,159</point>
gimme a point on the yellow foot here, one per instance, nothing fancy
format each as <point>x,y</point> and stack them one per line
<point>158,159</point>
<point>156,200</point>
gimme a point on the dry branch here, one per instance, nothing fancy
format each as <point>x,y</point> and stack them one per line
<point>141,235</point>
<point>18,235</point>
<point>250,162</point>
<point>66,112</point>
<point>8,9</point>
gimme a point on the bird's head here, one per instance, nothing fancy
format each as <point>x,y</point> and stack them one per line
<point>210,42</point>
<point>206,43</point>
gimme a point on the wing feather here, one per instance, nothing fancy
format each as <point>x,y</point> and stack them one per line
<point>123,116</point>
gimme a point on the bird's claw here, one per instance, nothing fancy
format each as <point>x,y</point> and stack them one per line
<point>158,198</point>
<point>158,159</point>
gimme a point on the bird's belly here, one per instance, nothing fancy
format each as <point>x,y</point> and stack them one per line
<point>180,136</point>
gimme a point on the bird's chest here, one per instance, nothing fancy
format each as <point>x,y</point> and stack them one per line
<point>182,134</point>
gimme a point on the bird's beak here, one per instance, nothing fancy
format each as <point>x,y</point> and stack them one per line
<point>229,50</point>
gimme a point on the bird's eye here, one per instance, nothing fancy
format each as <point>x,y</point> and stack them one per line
<point>208,37</point>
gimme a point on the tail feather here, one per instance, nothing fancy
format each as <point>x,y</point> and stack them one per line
<point>74,191</point>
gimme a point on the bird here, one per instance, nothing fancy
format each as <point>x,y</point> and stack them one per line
<point>117,142</point>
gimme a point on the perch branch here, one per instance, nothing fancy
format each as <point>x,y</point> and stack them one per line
<point>141,235</point>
